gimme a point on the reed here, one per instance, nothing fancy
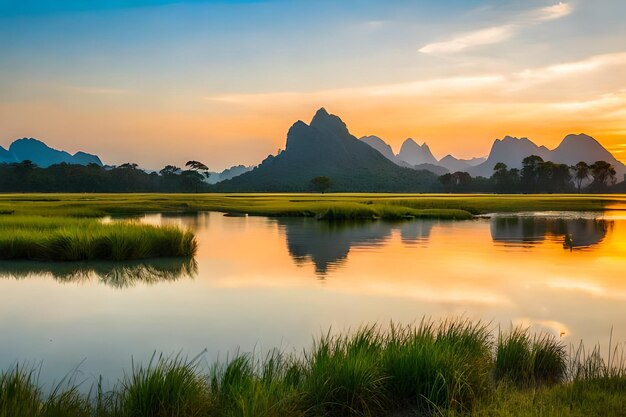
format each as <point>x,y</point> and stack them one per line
<point>453,368</point>
<point>71,239</point>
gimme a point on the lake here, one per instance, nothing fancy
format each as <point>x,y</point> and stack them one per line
<point>259,283</point>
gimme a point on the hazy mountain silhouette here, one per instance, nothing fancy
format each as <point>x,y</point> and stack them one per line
<point>573,149</point>
<point>434,168</point>
<point>325,147</point>
<point>42,155</point>
<point>381,146</point>
<point>454,164</point>
<point>6,156</point>
<point>327,244</point>
<point>527,231</point>
<point>413,151</point>
<point>415,154</point>
<point>228,173</point>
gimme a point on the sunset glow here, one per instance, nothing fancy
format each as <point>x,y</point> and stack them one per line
<point>223,81</point>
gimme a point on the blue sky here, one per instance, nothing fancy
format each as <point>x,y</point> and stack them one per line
<point>227,78</point>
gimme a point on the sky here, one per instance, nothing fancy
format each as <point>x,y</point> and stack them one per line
<point>161,82</point>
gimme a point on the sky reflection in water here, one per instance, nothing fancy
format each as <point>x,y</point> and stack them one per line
<point>259,283</point>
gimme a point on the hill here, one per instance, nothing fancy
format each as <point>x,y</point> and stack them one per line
<point>42,155</point>
<point>572,149</point>
<point>325,147</point>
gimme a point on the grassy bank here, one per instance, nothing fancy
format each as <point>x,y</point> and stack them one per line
<point>83,239</point>
<point>323,206</point>
<point>451,369</point>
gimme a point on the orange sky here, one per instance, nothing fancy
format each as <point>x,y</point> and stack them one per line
<point>225,83</point>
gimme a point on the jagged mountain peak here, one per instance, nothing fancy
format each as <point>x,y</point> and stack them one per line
<point>415,154</point>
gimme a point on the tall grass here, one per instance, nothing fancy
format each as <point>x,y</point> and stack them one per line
<point>449,368</point>
<point>526,360</point>
<point>72,239</point>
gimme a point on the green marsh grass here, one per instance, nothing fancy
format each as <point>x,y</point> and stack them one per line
<point>74,239</point>
<point>452,368</point>
<point>323,206</point>
<point>526,360</point>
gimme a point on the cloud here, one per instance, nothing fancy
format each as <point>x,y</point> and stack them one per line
<point>584,66</point>
<point>486,36</point>
<point>556,11</point>
<point>497,34</point>
<point>482,87</point>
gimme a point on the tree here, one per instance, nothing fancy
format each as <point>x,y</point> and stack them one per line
<point>531,173</point>
<point>603,174</point>
<point>581,173</point>
<point>458,181</point>
<point>320,184</point>
<point>198,167</point>
<point>169,170</point>
<point>446,180</point>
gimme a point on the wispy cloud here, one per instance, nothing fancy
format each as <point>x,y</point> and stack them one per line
<point>589,65</point>
<point>497,34</point>
<point>494,83</point>
<point>485,36</point>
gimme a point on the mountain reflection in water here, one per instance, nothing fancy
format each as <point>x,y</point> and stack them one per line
<point>112,274</point>
<point>327,244</point>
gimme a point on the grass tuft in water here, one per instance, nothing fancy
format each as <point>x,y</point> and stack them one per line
<point>72,239</point>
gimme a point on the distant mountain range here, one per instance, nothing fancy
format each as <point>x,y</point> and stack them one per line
<point>417,156</point>
<point>325,147</point>
<point>571,150</point>
<point>510,150</point>
<point>42,155</point>
<point>228,173</point>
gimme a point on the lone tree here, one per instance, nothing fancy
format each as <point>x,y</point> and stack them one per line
<point>196,174</point>
<point>320,184</point>
<point>581,173</point>
<point>198,167</point>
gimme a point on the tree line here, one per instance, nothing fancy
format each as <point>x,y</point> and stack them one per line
<point>536,176</point>
<point>25,176</point>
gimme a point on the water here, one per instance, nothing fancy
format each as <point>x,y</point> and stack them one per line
<point>259,283</point>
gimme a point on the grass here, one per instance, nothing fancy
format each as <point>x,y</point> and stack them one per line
<point>78,239</point>
<point>322,206</point>
<point>454,368</point>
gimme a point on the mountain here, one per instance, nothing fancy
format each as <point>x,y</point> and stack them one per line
<point>325,147</point>
<point>380,145</point>
<point>434,168</point>
<point>42,155</point>
<point>6,156</point>
<point>474,161</point>
<point>385,149</point>
<point>414,154</point>
<point>571,150</point>
<point>510,151</point>
<point>409,147</point>
<point>228,173</point>
<point>452,164</point>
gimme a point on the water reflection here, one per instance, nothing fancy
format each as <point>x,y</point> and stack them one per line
<point>526,231</point>
<point>327,244</point>
<point>112,274</point>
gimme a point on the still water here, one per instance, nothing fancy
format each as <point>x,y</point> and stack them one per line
<point>259,283</point>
